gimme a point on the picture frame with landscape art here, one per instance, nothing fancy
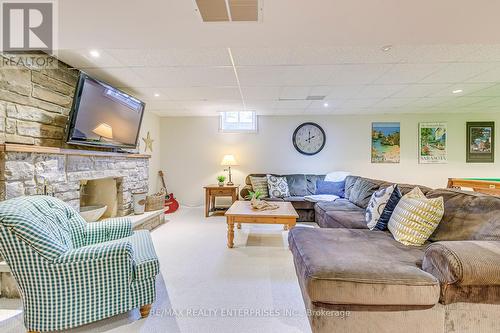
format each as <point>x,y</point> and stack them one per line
<point>432,143</point>
<point>480,142</point>
<point>385,142</point>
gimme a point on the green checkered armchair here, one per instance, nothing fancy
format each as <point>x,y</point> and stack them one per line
<point>70,272</point>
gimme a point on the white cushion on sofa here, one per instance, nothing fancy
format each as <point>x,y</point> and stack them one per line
<point>336,176</point>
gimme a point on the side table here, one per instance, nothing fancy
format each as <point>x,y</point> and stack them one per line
<point>213,191</point>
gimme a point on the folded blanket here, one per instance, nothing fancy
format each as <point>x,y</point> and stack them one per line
<point>321,197</point>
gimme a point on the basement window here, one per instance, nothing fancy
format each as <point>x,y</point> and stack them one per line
<point>238,122</point>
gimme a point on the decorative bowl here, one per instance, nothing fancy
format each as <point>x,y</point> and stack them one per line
<point>92,213</point>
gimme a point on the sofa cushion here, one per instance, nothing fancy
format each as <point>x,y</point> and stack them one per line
<point>415,218</point>
<point>362,267</point>
<point>350,219</point>
<point>362,191</point>
<point>278,186</point>
<point>335,188</point>
<point>311,183</point>
<point>349,183</point>
<point>297,184</point>
<point>467,216</point>
<point>259,184</point>
<point>377,205</point>
<point>383,221</point>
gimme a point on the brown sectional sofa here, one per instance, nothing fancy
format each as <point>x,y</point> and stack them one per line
<point>451,284</point>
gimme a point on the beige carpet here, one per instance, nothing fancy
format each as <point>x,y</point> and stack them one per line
<point>206,287</point>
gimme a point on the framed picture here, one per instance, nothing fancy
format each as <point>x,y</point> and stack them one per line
<point>432,145</point>
<point>480,142</point>
<point>385,142</point>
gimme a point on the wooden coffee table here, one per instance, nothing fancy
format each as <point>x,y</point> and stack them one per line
<point>241,212</point>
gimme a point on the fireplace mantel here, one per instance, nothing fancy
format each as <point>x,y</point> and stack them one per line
<point>19,148</point>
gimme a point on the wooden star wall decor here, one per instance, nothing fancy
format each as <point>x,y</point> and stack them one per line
<point>148,143</point>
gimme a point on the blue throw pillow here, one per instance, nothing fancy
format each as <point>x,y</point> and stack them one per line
<point>335,188</point>
<point>388,209</point>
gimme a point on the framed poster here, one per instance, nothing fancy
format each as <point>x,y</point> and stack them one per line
<point>480,142</point>
<point>432,145</point>
<point>385,142</point>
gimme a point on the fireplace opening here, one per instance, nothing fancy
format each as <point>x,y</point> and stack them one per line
<point>100,198</point>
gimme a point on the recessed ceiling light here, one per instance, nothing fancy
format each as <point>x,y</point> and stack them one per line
<point>457,91</point>
<point>94,53</point>
<point>156,94</point>
<point>325,105</point>
<point>386,48</point>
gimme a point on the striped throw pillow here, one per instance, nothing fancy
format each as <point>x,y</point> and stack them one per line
<point>260,184</point>
<point>415,218</point>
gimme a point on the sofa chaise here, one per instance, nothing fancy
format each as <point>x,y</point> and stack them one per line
<point>451,284</point>
<point>70,272</point>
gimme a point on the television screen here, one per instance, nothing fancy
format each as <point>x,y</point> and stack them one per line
<point>104,116</point>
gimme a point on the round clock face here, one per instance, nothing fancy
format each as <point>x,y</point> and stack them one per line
<point>309,138</point>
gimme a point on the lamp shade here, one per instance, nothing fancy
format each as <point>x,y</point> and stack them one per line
<point>104,130</point>
<point>228,160</point>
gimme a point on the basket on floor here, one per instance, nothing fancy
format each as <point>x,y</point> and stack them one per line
<point>155,201</point>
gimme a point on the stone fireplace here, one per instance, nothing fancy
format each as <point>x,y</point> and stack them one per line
<point>102,176</point>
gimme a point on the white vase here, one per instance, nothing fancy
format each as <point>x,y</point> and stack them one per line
<point>139,199</point>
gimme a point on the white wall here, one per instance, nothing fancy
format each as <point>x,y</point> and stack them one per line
<point>151,123</point>
<point>192,149</point>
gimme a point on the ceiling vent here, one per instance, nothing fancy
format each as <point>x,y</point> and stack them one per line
<point>229,10</point>
<point>315,98</point>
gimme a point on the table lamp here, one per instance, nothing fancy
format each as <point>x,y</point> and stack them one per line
<point>229,160</point>
<point>103,130</point>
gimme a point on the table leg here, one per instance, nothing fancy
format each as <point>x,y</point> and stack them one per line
<point>291,224</point>
<point>212,205</point>
<point>239,225</point>
<point>230,232</point>
<point>207,203</point>
<point>285,227</point>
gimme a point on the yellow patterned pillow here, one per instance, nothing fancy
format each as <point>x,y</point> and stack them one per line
<point>415,218</point>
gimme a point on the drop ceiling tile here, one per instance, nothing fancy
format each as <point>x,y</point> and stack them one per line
<point>379,91</point>
<point>292,104</point>
<point>163,105</point>
<point>187,76</point>
<point>284,75</point>
<point>492,75</point>
<point>172,57</point>
<point>488,102</point>
<point>81,59</point>
<point>420,90</point>
<point>357,74</point>
<point>261,56</point>
<point>457,72</point>
<point>460,102</point>
<point>360,103</point>
<point>467,89</point>
<point>344,91</point>
<point>119,77</point>
<point>491,91</point>
<point>294,92</point>
<point>394,102</point>
<point>321,90</point>
<point>331,103</point>
<point>407,73</point>
<point>199,93</point>
<point>440,53</point>
<point>261,93</point>
<point>425,102</point>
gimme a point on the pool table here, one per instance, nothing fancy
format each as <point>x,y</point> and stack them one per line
<point>482,185</point>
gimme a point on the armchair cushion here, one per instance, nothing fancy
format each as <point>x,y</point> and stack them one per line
<point>97,252</point>
<point>468,271</point>
<point>107,230</point>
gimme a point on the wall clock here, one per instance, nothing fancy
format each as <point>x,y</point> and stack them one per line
<point>309,138</point>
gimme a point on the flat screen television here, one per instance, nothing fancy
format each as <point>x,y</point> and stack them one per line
<point>104,116</point>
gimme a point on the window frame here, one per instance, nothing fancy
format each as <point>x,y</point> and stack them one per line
<point>222,121</point>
